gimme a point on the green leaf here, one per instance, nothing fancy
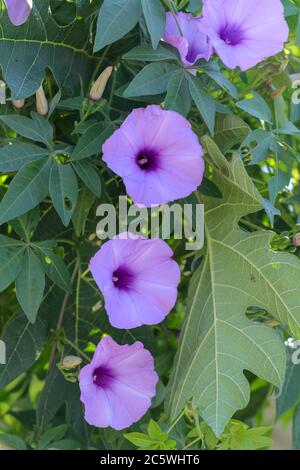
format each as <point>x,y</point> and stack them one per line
<point>26,51</point>
<point>54,266</point>
<point>53,434</point>
<point>239,270</point>
<point>145,53</point>
<point>204,103</point>
<point>28,188</point>
<point>178,95</point>
<point>152,80</point>
<point>155,17</point>
<point>230,131</point>
<point>154,431</point>
<point>37,128</point>
<point>238,436</point>
<point>79,218</point>
<point>11,257</point>
<point>215,73</point>
<point>26,224</point>
<point>260,143</point>
<point>90,143</point>
<point>30,285</point>
<point>16,155</point>
<point>63,190</point>
<point>89,175</point>
<point>116,18</point>
<point>139,439</point>
<point>257,107</point>
<point>289,393</point>
<point>24,341</point>
<point>296,429</point>
<point>54,394</point>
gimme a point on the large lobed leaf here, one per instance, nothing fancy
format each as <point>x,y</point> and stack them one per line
<point>26,51</point>
<point>239,271</point>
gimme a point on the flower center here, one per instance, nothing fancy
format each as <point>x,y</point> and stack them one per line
<point>102,377</point>
<point>147,159</point>
<point>122,278</point>
<point>231,34</point>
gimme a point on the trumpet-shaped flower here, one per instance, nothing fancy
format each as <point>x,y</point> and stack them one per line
<point>138,279</point>
<point>244,33</point>
<point>118,385</point>
<point>157,154</point>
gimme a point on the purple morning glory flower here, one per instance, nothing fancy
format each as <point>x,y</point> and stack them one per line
<point>243,32</point>
<point>157,154</point>
<point>182,31</point>
<point>18,10</point>
<point>138,279</point>
<point>118,385</point>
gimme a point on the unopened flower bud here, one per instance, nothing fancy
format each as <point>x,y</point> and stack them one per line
<point>2,92</point>
<point>99,86</point>
<point>70,362</point>
<point>296,240</point>
<point>18,104</point>
<point>41,102</point>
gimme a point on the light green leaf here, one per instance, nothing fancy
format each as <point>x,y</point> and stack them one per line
<point>139,439</point>
<point>26,51</point>
<point>63,190</point>
<point>178,95</point>
<point>89,175</point>
<point>37,128</point>
<point>28,188</point>
<point>18,154</point>
<point>90,143</point>
<point>256,106</point>
<point>155,432</point>
<point>152,80</point>
<point>238,436</point>
<point>116,18</point>
<point>155,17</point>
<point>30,285</point>
<point>239,270</point>
<point>230,131</point>
<point>204,103</point>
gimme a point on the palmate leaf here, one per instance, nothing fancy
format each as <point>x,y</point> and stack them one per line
<point>26,51</point>
<point>239,271</point>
